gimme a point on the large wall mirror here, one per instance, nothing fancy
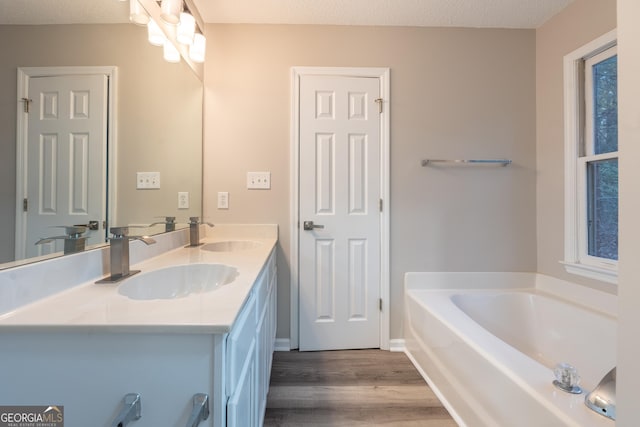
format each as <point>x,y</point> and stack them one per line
<point>156,115</point>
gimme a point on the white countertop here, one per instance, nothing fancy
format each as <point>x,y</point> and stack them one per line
<point>91,306</point>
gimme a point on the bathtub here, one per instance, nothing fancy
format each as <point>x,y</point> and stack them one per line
<point>487,344</point>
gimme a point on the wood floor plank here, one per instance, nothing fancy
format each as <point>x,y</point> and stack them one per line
<point>430,417</point>
<point>350,388</point>
<point>343,367</point>
<point>405,396</point>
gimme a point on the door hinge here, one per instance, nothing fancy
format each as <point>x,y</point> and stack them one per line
<point>26,104</point>
<point>380,303</point>
<point>25,205</point>
<point>379,102</point>
<point>380,204</point>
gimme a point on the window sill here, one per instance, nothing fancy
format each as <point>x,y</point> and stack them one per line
<point>592,272</point>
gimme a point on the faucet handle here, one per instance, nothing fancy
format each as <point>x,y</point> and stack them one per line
<point>567,378</point>
<point>194,220</point>
<point>167,220</point>
<point>119,232</point>
<point>73,231</point>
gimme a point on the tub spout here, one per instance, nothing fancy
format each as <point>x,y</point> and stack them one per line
<point>603,398</point>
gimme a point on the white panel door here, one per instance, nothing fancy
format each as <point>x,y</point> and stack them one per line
<point>66,158</point>
<point>339,258</point>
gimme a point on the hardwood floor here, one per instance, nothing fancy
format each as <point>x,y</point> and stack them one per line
<point>350,388</point>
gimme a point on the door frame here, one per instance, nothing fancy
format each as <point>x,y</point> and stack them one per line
<point>24,76</point>
<point>383,76</point>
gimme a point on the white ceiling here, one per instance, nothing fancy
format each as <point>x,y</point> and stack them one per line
<point>441,13</point>
<point>63,11</point>
<point>423,13</point>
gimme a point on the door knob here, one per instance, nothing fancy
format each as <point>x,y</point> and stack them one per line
<point>309,225</point>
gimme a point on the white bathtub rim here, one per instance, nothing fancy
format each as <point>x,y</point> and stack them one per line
<point>529,374</point>
<point>572,293</point>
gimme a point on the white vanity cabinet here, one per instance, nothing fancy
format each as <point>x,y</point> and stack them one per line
<point>250,348</point>
<point>89,367</point>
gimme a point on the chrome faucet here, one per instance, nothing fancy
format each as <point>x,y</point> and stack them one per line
<point>131,410</point>
<point>119,254</point>
<point>74,241</point>
<point>602,399</point>
<point>169,223</point>
<point>194,230</point>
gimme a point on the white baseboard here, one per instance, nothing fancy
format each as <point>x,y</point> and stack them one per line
<point>396,345</point>
<point>283,344</point>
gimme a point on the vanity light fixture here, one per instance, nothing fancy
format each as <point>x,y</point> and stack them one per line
<point>170,11</point>
<point>155,34</point>
<point>171,53</point>
<point>162,32</point>
<point>186,28</point>
<point>198,48</point>
<point>137,14</point>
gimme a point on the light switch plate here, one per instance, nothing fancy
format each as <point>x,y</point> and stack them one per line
<point>259,180</point>
<point>147,180</point>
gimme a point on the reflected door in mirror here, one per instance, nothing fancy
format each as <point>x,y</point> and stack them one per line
<point>66,159</point>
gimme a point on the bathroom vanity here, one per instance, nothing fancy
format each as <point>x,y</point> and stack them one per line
<point>88,346</point>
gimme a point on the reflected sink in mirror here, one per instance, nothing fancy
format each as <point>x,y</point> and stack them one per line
<point>231,246</point>
<point>177,281</point>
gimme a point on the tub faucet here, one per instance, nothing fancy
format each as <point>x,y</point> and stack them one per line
<point>603,398</point>
<point>194,230</point>
<point>119,254</point>
<point>74,241</point>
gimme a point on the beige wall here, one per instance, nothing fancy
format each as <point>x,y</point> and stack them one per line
<point>578,24</point>
<point>159,120</point>
<point>455,93</point>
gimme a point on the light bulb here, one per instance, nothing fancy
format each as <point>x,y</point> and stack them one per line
<point>171,53</point>
<point>155,34</point>
<point>170,11</point>
<point>198,48</point>
<point>186,28</point>
<point>137,14</point>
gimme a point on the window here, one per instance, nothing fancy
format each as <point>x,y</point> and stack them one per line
<point>591,160</point>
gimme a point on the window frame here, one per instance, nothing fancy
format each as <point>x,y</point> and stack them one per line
<point>578,145</point>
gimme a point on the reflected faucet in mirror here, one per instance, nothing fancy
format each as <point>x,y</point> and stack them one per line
<point>169,223</point>
<point>74,241</point>
<point>119,254</point>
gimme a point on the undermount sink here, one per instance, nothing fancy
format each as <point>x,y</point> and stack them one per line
<point>231,246</point>
<point>177,281</point>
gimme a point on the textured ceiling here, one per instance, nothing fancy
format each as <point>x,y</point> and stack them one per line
<point>440,13</point>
